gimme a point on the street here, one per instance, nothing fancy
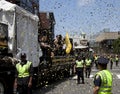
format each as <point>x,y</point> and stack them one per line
<point>69,85</point>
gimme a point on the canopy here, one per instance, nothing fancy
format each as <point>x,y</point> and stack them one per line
<point>7,6</point>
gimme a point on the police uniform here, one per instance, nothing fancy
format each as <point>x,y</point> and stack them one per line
<point>103,79</point>
<point>111,62</point>
<point>24,71</point>
<point>80,73</point>
<point>116,60</point>
<point>88,63</point>
<point>96,61</point>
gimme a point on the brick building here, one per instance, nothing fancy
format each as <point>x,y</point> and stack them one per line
<point>47,22</point>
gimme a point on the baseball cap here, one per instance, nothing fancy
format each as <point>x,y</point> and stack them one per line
<point>102,60</point>
<point>23,55</point>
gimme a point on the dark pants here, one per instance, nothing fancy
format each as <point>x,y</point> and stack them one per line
<point>116,63</point>
<point>22,87</point>
<point>96,64</point>
<point>88,71</point>
<point>111,64</point>
<point>80,74</point>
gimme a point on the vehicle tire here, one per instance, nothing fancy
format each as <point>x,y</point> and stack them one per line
<point>2,88</point>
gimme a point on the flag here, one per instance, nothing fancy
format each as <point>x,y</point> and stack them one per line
<point>68,44</point>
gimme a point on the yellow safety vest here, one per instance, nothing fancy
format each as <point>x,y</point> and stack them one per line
<point>23,70</point>
<point>79,64</point>
<point>112,59</point>
<point>96,57</point>
<point>116,59</point>
<point>106,82</point>
<point>88,62</point>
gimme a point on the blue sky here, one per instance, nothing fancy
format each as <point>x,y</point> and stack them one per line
<point>89,16</point>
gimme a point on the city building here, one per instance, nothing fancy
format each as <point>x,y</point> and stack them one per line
<point>104,41</point>
<point>47,22</point>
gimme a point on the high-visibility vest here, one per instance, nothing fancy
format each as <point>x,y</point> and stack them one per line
<point>96,57</point>
<point>106,82</point>
<point>112,59</point>
<point>116,59</point>
<point>79,64</point>
<point>88,62</point>
<point>23,71</point>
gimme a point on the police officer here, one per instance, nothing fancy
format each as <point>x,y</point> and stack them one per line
<point>103,78</point>
<point>79,69</point>
<point>116,60</point>
<point>23,76</point>
<point>96,61</point>
<point>88,63</point>
<point>111,61</point>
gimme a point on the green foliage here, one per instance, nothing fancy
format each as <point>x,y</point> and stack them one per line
<point>116,46</point>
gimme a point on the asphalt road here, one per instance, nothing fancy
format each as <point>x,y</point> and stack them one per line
<point>69,85</point>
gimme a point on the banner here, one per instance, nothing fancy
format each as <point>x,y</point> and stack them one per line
<point>68,44</point>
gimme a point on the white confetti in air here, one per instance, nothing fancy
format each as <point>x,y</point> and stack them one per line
<point>118,75</point>
<point>91,76</point>
<point>85,2</point>
<point>75,77</point>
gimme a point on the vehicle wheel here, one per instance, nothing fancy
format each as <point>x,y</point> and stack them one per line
<point>2,88</point>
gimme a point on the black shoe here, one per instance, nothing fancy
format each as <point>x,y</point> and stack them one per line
<point>83,82</point>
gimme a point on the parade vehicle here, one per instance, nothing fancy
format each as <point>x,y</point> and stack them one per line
<point>19,33</point>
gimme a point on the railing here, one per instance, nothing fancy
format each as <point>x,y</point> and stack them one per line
<point>63,59</point>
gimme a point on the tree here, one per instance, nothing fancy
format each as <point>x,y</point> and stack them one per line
<point>116,45</point>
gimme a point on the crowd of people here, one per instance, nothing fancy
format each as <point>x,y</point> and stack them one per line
<point>49,50</point>
<point>113,60</point>
<point>83,64</point>
<point>103,78</point>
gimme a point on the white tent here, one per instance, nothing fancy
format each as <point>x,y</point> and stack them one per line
<point>7,6</point>
<point>22,30</point>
